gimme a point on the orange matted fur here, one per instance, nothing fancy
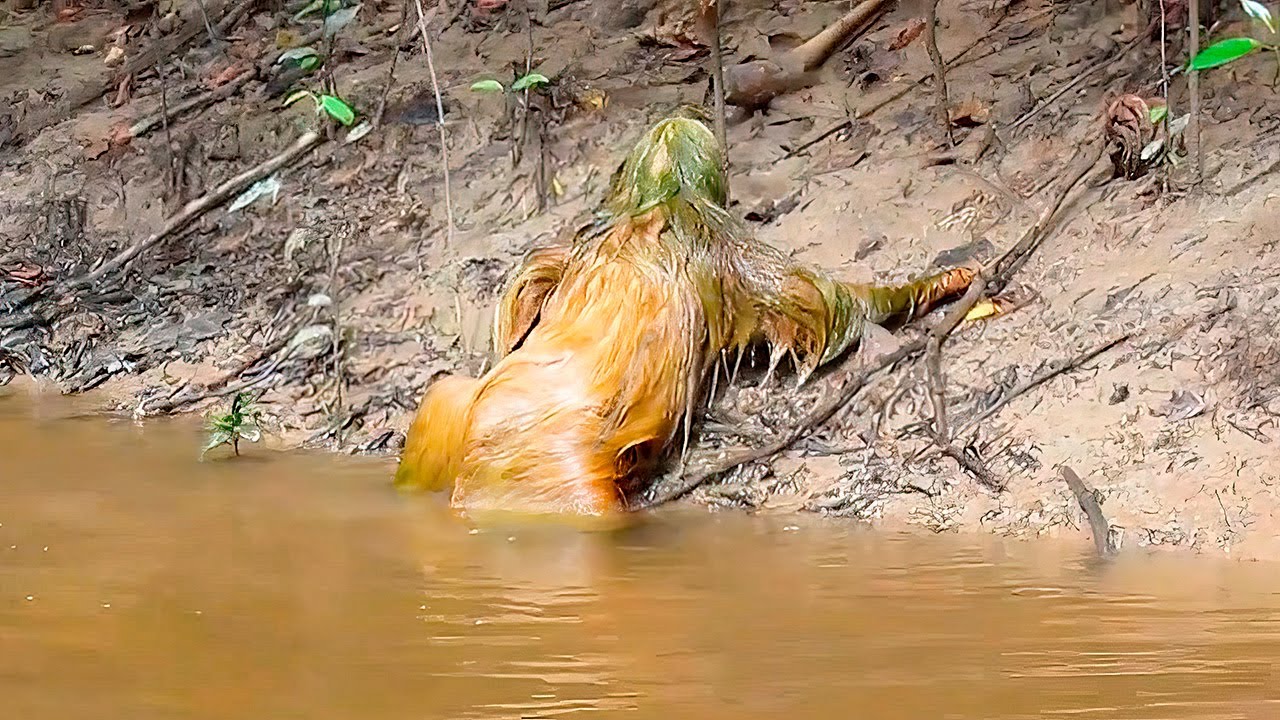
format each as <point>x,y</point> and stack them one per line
<point>605,345</point>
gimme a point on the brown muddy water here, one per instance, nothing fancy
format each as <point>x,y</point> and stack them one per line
<point>136,582</point>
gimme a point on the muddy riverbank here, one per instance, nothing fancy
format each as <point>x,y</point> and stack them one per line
<point>340,296</point>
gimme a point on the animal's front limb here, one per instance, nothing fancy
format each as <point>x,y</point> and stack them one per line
<point>895,306</point>
<point>434,444</point>
<point>817,319</point>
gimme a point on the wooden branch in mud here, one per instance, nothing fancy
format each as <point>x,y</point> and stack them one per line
<point>1076,81</point>
<point>755,83</point>
<point>188,214</point>
<point>958,60</point>
<point>203,100</point>
<point>1098,525</point>
<point>191,29</point>
<point>1005,266</point>
<point>225,384</point>
<point>391,68</point>
<point>823,412</point>
<point>1052,371</point>
<point>444,144</point>
<point>939,71</point>
<point>710,13</point>
<point>1193,87</point>
<point>82,94</point>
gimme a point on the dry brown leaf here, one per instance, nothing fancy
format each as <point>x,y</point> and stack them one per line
<point>229,73</point>
<point>908,34</point>
<point>1128,130</point>
<point>970,113</point>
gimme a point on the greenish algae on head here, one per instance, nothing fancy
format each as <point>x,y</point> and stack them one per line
<point>678,158</point>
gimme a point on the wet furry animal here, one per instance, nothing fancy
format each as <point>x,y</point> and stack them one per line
<point>605,345</point>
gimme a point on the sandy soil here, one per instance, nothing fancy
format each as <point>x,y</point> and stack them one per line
<point>1175,427</point>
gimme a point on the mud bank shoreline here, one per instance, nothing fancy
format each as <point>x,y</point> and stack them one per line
<point>339,299</point>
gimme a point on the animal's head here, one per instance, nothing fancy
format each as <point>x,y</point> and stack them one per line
<point>678,158</point>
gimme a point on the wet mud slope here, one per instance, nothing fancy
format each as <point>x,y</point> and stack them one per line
<point>1137,346</point>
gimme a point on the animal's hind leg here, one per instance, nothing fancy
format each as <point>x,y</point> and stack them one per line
<point>433,447</point>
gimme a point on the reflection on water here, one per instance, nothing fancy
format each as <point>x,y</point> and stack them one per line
<point>138,583</point>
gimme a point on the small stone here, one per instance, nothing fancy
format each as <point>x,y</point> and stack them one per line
<point>1119,393</point>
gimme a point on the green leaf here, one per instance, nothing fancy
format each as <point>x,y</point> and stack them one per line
<point>296,96</point>
<point>358,132</point>
<point>339,19</point>
<point>338,109</point>
<point>309,63</point>
<point>1221,53</point>
<point>1259,12</point>
<point>297,53</point>
<point>1158,113</point>
<point>529,81</point>
<point>215,439</point>
<point>311,7</point>
<point>486,86</point>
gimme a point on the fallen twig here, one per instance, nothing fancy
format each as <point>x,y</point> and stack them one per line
<point>444,145</point>
<point>1075,82</point>
<point>188,214</point>
<point>939,70</point>
<point>391,69</point>
<point>1053,370</point>
<point>957,60</point>
<point>1193,86</point>
<point>223,385</point>
<point>1098,526</point>
<point>823,412</point>
<point>711,12</point>
<point>168,113</point>
<point>937,390</point>
<point>80,94</point>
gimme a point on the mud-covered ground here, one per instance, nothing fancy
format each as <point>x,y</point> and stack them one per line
<point>1175,427</point>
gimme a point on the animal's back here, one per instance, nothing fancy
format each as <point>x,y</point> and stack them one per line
<point>594,393</point>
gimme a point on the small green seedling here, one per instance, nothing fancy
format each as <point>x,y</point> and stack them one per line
<point>532,81</point>
<point>1232,49</point>
<point>242,423</point>
<point>331,105</point>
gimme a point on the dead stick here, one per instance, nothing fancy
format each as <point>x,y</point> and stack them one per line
<point>1053,370</point>
<point>823,412</point>
<point>222,386</point>
<point>956,61</point>
<point>939,71</point>
<point>717,89</point>
<point>195,209</point>
<point>1098,525</point>
<point>1085,159</point>
<point>167,115</point>
<point>444,144</point>
<point>1193,85</point>
<point>937,390</point>
<point>1075,82</point>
